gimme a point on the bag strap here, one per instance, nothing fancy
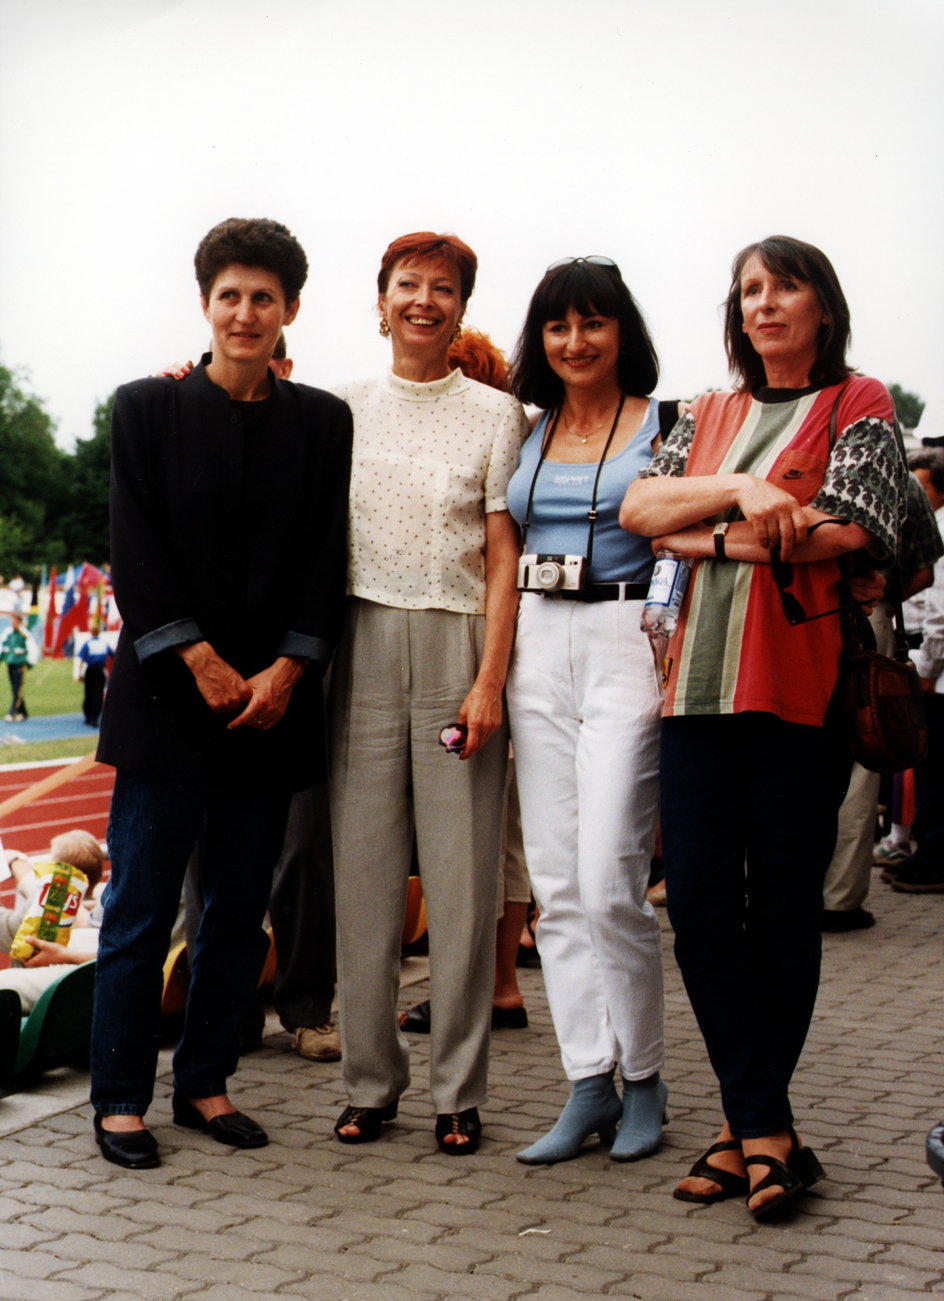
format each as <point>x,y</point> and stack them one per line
<point>592,513</point>
<point>668,416</point>
<point>849,611</point>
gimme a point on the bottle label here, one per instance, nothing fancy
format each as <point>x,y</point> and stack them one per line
<point>666,593</point>
<point>669,580</point>
<point>663,584</point>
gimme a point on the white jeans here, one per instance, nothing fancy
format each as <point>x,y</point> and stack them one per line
<point>584,705</point>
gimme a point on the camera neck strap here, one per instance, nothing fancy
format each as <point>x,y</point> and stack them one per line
<point>545,448</point>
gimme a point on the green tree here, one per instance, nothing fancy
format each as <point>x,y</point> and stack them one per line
<point>908,406</point>
<point>31,479</point>
<point>17,555</point>
<point>84,521</point>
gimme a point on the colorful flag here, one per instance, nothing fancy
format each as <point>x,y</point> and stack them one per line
<point>49,630</point>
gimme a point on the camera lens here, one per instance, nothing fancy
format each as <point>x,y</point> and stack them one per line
<point>549,575</point>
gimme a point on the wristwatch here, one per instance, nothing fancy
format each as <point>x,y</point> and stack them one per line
<point>718,533</point>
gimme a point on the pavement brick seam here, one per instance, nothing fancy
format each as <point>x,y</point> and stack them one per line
<point>307,1218</point>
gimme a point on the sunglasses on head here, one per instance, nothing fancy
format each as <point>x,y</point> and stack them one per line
<point>594,259</point>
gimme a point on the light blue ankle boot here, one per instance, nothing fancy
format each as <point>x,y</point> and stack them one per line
<point>593,1106</point>
<point>640,1131</point>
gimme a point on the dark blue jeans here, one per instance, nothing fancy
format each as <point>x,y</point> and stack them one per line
<point>749,809</point>
<point>151,831</point>
<point>17,676</point>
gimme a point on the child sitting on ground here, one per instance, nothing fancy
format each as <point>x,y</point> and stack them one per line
<point>78,849</point>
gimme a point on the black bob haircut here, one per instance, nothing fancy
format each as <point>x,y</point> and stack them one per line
<point>591,290</point>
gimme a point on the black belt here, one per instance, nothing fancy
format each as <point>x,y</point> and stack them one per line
<point>605,592</point>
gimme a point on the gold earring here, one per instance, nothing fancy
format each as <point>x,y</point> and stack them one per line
<point>384,328</point>
<point>457,332</point>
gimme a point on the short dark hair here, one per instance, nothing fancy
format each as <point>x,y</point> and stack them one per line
<point>786,256</point>
<point>591,290</point>
<point>426,244</point>
<point>252,242</point>
<point>932,459</point>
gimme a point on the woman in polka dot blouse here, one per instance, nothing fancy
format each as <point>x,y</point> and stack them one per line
<point>433,557</point>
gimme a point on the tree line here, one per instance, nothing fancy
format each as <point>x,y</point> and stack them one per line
<point>54,504</point>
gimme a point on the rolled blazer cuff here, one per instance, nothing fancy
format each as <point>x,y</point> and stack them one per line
<point>179,633</point>
<point>302,647</point>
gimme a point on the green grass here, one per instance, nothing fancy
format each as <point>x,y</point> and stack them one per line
<point>49,689</point>
<point>41,750</point>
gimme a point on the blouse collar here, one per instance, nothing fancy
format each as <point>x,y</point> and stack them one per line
<point>413,391</point>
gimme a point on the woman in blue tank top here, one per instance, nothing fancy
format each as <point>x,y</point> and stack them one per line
<point>584,702</point>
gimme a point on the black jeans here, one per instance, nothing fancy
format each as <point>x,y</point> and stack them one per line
<point>749,810</point>
<point>301,911</point>
<point>17,676</point>
<point>152,828</point>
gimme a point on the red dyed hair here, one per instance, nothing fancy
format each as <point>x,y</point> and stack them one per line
<point>424,244</point>
<point>478,358</point>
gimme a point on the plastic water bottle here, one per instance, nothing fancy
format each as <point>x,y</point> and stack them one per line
<point>666,593</point>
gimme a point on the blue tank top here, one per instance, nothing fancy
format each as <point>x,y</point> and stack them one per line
<point>562,497</point>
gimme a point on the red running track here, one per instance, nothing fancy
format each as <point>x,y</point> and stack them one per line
<point>82,802</point>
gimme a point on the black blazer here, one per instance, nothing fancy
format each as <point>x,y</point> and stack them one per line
<point>228,523</point>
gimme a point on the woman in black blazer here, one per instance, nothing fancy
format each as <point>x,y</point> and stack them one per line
<point>229,508</point>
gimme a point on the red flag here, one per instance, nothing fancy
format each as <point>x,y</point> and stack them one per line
<point>75,619</point>
<point>49,629</point>
<point>89,576</point>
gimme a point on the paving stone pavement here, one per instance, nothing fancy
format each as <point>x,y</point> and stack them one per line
<point>395,1220</point>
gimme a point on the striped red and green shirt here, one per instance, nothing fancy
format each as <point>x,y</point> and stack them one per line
<point>733,650</point>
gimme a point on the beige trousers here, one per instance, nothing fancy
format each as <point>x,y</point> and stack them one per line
<point>398,678</point>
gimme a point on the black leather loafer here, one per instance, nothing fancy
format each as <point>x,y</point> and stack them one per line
<point>136,1149</point>
<point>236,1130</point>
<point>835,922</point>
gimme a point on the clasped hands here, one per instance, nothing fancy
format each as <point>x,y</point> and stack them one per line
<point>259,701</point>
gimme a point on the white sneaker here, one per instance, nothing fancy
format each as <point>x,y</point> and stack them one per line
<point>888,852</point>
<point>319,1043</point>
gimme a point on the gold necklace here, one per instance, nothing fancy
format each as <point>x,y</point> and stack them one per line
<point>584,438</point>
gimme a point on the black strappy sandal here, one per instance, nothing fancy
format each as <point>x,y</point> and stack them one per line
<point>800,1171</point>
<point>418,1019</point>
<point>730,1184</point>
<point>466,1123</point>
<point>369,1121</point>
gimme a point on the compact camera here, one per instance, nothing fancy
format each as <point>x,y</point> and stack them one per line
<point>552,573</point>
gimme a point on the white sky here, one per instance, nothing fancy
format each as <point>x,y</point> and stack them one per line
<point>664,133</point>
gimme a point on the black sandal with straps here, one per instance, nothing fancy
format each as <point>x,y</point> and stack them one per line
<point>730,1184</point>
<point>369,1121</point>
<point>460,1123</point>
<point>800,1171</point>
